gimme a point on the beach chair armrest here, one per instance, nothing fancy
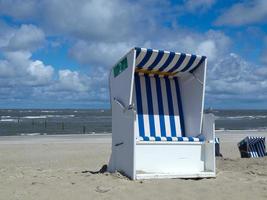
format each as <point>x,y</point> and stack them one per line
<point>123,107</point>
<point>208,128</point>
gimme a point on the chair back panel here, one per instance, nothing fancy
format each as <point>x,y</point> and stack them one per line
<point>158,106</point>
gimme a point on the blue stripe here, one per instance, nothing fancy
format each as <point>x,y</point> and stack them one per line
<point>190,139</point>
<point>168,61</point>
<point>170,105</point>
<point>259,149</point>
<point>150,106</point>
<point>139,105</point>
<point>197,66</point>
<point>157,60</point>
<point>145,138</point>
<point>180,106</point>
<point>160,106</point>
<point>180,139</point>
<point>146,58</point>
<point>190,63</point>
<point>138,51</point>
<point>262,145</point>
<point>169,138</point>
<point>178,63</point>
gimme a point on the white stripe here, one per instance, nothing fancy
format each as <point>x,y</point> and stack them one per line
<point>165,107</point>
<point>140,57</point>
<point>145,107</point>
<point>175,109</point>
<point>197,60</point>
<point>155,106</point>
<point>174,61</point>
<point>162,61</point>
<point>163,139</point>
<point>151,60</point>
<point>152,138</point>
<point>182,66</point>
<point>137,133</point>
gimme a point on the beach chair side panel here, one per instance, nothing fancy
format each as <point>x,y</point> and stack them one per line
<point>123,139</point>
<point>192,90</point>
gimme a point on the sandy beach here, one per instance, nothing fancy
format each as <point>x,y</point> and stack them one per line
<point>57,167</point>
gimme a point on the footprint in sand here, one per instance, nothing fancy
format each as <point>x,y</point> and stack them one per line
<point>101,189</point>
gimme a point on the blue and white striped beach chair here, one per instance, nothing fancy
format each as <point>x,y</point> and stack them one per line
<point>158,126</point>
<point>252,147</point>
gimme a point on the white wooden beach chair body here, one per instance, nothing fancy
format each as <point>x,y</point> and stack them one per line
<point>158,126</point>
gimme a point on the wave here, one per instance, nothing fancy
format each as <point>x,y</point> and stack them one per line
<point>47,116</point>
<point>9,120</point>
<point>32,134</point>
<point>35,117</point>
<point>5,116</point>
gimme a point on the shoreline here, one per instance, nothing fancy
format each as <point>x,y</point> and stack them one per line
<point>245,131</point>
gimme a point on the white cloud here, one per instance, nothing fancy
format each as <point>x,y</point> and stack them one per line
<point>212,44</point>
<point>72,81</point>
<point>99,53</point>
<point>27,37</point>
<point>42,74</point>
<point>16,8</point>
<point>193,5</point>
<point>243,13</point>
<point>232,80</point>
<point>6,33</point>
<point>18,69</point>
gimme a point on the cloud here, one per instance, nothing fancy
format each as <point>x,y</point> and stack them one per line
<point>203,5</point>
<point>17,9</point>
<point>244,13</point>
<point>233,80</point>
<point>27,37</point>
<point>99,53</point>
<point>89,20</point>
<point>18,69</point>
<point>6,33</point>
<point>212,44</point>
<point>72,81</point>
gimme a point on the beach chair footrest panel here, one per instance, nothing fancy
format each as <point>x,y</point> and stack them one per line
<point>173,159</point>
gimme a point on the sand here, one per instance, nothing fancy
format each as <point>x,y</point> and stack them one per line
<point>55,167</point>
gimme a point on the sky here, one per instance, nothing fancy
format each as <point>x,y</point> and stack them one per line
<point>58,53</point>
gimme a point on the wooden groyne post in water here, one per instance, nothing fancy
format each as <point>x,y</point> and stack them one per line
<point>63,126</point>
<point>84,129</point>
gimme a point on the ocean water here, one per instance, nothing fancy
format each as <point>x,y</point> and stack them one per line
<point>85,121</point>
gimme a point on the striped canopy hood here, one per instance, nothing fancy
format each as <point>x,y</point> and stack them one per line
<point>166,62</point>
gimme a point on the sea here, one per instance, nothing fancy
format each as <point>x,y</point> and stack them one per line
<point>98,121</point>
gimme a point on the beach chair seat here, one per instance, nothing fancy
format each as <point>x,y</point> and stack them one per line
<point>170,139</point>
<point>159,129</point>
